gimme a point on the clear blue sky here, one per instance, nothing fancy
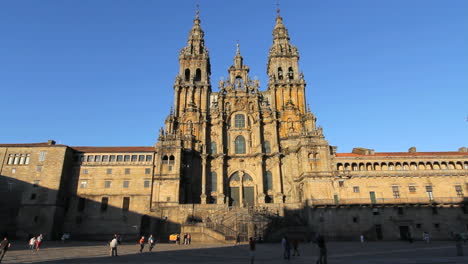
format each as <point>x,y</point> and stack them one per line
<point>385,75</point>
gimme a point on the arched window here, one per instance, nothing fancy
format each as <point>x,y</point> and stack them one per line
<point>268,184</point>
<point>213,148</point>
<point>239,145</point>
<point>280,73</point>
<point>171,160</point>
<point>213,182</point>
<point>290,73</point>
<point>266,146</point>
<point>197,75</point>
<point>187,74</point>
<point>239,121</point>
<point>165,159</point>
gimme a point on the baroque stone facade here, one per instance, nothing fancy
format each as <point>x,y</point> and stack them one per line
<point>236,161</point>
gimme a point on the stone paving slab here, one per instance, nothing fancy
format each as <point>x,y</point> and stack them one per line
<point>339,252</point>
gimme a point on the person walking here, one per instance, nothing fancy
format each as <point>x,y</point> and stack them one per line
<point>151,242</point>
<point>178,239</point>
<point>189,238</point>
<point>32,243</point>
<point>185,239</point>
<point>238,239</point>
<point>39,240</point>
<point>4,246</point>
<point>295,244</point>
<point>142,244</point>
<point>286,248</point>
<point>252,250</point>
<point>362,238</point>
<point>322,250</point>
<point>113,246</point>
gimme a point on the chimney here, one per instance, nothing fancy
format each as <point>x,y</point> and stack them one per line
<point>50,142</point>
<point>412,150</point>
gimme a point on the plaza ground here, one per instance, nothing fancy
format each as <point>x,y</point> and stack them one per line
<point>339,252</point>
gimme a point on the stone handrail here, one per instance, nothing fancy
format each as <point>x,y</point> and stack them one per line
<point>413,200</point>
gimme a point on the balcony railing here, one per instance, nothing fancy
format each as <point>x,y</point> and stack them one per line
<point>415,200</point>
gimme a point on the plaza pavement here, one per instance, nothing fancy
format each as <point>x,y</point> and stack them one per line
<point>268,253</point>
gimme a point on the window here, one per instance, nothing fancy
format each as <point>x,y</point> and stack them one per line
<point>126,204</point>
<point>268,181</point>
<point>42,155</point>
<point>109,171</point>
<point>266,146</point>
<point>280,73</point>
<point>105,158</point>
<point>39,168</point>
<point>13,170</point>
<point>213,148</point>
<point>107,184</point>
<point>126,184</point>
<point>112,158</point>
<point>134,158</point>
<point>341,183</point>
<point>146,183</point>
<point>141,158</point>
<point>356,189</point>
<point>459,190</point>
<point>239,145</point>
<point>355,219</point>
<point>165,160</point>
<point>213,182</point>
<point>429,192</point>
<point>400,210</point>
<point>412,188</point>
<point>81,204</point>
<point>197,75</point>
<point>90,158</point>
<point>187,74</point>
<point>11,157</point>
<point>290,73</point>
<point>436,225</point>
<point>104,203</point>
<point>33,196</point>
<point>16,160</point>
<point>396,192</point>
<point>85,171</point>
<point>355,167</point>
<point>149,158</point>
<point>83,184</point>
<point>147,171</point>
<point>22,157</point>
<point>27,159</point>
<point>239,121</point>
<point>97,158</point>
<point>171,159</point>
<point>126,158</point>
<point>127,171</point>
<point>119,158</point>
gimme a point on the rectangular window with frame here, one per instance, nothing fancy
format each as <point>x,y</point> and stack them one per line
<point>412,188</point>
<point>119,158</point>
<point>126,184</point>
<point>104,203</point>
<point>134,158</point>
<point>89,158</point>
<point>147,171</point>
<point>107,184</point>
<point>85,171</point>
<point>105,158</point>
<point>141,158</point>
<point>39,168</point>
<point>83,184</point>
<point>112,158</point>
<point>459,190</point>
<point>127,171</point>
<point>126,158</point>
<point>97,158</point>
<point>42,155</point>
<point>109,171</point>
<point>396,192</point>
<point>149,158</point>
<point>146,183</point>
<point>356,189</point>
<point>11,157</point>
<point>126,204</point>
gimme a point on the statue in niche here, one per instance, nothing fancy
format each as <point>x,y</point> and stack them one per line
<point>221,84</point>
<point>319,131</point>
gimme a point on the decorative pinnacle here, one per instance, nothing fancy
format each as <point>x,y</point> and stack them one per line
<point>237,48</point>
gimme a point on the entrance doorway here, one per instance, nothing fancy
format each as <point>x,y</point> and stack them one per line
<point>241,190</point>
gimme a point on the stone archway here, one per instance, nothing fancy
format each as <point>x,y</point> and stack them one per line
<point>241,189</point>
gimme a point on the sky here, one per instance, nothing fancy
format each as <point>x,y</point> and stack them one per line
<point>385,75</point>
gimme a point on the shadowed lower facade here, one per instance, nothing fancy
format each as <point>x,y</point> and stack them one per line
<point>238,160</point>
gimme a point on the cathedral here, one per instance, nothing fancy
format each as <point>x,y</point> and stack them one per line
<point>233,160</point>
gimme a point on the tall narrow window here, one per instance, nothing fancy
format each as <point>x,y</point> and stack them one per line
<point>396,192</point>
<point>213,182</point>
<point>146,183</point>
<point>105,158</point>
<point>42,156</point>
<point>459,190</point>
<point>268,185</point>
<point>104,203</point>
<point>239,145</point>
<point>126,184</point>
<point>290,73</point>
<point>119,158</point>
<point>197,75</point>
<point>134,158</point>
<point>239,121</point>
<point>267,148</point>
<point>141,158</point>
<point>149,158</point>
<point>107,184</point>
<point>213,148</point>
<point>429,192</point>
<point>127,171</point>
<point>171,160</point>
<point>280,73</point>
<point>10,159</point>
<point>126,158</point>
<point>187,74</point>
<point>126,204</point>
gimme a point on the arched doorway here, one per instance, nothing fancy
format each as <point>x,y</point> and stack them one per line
<point>241,190</point>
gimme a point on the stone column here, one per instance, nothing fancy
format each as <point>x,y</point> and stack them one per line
<point>220,187</point>
<point>203,176</point>
<point>260,179</point>
<point>277,180</point>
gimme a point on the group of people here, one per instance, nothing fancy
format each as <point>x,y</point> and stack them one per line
<point>117,240</point>
<point>286,244</point>
<point>35,242</point>
<point>151,242</point>
<point>187,239</point>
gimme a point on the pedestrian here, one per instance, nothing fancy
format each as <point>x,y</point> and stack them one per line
<point>119,238</point>
<point>286,248</point>
<point>113,246</point>
<point>32,243</point>
<point>142,243</point>
<point>189,238</point>
<point>178,239</point>
<point>252,250</point>
<point>322,249</point>
<point>151,242</point>
<point>39,240</point>
<point>362,238</point>
<point>4,246</point>
<point>296,247</point>
<point>185,239</point>
<point>238,239</point>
